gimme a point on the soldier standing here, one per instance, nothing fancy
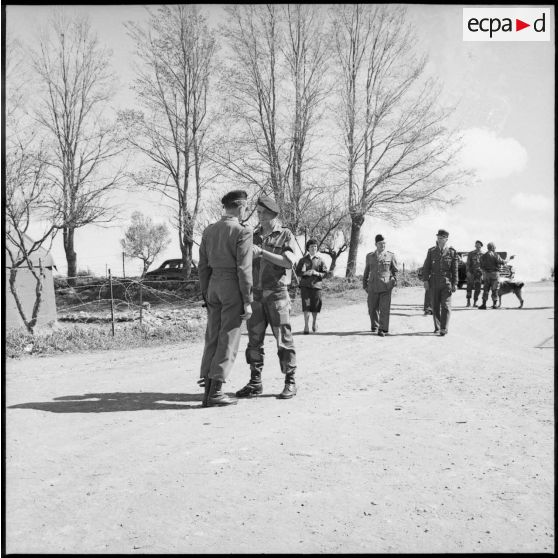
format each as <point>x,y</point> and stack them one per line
<point>474,273</point>
<point>490,263</point>
<point>380,276</point>
<point>273,261</point>
<point>225,272</point>
<point>440,274</point>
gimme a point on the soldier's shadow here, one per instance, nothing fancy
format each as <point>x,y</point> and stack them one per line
<point>115,402</point>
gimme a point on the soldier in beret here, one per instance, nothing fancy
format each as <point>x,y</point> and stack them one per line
<point>474,273</point>
<point>273,261</point>
<point>225,272</point>
<point>440,275</point>
<point>380,276</point>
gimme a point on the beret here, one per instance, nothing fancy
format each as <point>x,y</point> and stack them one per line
<point>234,195</point>
<point>269,203</point>
<point>442,232</point>
<point>479,242</point>
<point>378,238</point>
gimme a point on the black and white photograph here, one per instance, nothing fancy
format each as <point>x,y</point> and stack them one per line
<point>278,278</point>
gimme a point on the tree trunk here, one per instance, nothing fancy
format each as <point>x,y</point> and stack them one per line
<point>333,262</point>
<point>71,256</point>
<point>357,221</point>
<point>186,248</point>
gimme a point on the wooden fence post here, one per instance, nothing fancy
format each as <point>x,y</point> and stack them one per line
<point>141,301</point>
<point>111,302</point>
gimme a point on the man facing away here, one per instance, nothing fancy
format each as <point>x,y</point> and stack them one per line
<point>440,274</point>
<point>474,273</point>
<point>273,261</point>
<point>225,273</point>
<point>380,276</point>
<point>490,264</point>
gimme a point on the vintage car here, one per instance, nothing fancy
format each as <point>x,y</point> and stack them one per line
<point>171,270</point>
<point>506,271</point>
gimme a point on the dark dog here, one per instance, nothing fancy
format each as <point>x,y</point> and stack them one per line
<point>507,287</point>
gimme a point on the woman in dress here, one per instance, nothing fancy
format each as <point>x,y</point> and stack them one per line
<point>311,269</point>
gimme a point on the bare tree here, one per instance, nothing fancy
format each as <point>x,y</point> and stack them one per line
<point>275,86</point>
<point>27,196</point>
<point>399,155</point>
<point>177,50</point>
<point>75,85</point>
<point>144,240</point>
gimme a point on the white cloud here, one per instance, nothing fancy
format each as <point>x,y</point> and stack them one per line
<point>532,202</point>
<point>492,156</point>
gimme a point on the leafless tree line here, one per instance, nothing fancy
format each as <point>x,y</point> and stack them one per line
<point>326,108</point>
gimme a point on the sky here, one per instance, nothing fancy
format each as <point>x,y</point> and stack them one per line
<point>505,95</point>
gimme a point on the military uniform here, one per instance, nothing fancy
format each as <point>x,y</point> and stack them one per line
<point>474,275</point>
<point>441,271</point>
<point>490,263</point>
<point>272,304</point>
<point>380,275</point>
<point>225,273</point>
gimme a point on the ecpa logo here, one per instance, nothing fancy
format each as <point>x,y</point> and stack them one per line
<point>506,24</point>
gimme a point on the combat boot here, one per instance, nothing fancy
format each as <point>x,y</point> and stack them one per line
<point>254,387</point>
<point>216,397</point>
<point>206,386</point>
<point>482,306</point>
<point>290,387</point>
<point>475,302</point>
<point>468,302</point>
<point>494,306</point>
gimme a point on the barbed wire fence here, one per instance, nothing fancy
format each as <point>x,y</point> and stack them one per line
<point>88,298</point>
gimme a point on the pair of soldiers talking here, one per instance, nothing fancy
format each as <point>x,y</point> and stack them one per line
<point>244,275</point>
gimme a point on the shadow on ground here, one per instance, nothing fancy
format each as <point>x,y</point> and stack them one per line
<point>114,402</point>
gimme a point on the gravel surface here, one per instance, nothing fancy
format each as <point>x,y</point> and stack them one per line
<point>408,443</point>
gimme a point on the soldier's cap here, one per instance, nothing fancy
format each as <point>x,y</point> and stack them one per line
<point>443,233</point>
<point>269,203</point>
<point>491,246</point>
<point>234,195</point>
<point>378,238</point>
<point>479,242</point>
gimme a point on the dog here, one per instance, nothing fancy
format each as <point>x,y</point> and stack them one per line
<point>507,287</point>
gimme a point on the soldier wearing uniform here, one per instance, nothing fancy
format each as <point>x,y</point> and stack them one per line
<point>474,273</point>
<point>225,272</point>
<point>380,276</point>
<point>273,261</point>
<point>440,275</point>
<point>490,263</point>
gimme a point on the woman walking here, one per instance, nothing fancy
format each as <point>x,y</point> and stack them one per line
<point>311,269</point>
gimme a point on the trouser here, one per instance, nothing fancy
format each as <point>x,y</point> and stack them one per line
<point>441,305</point>
<point>222,334</point>
<point>274,310</point>
<point>491,282</point>
<point>427,300</point>
<point>474,281</point>
<point>379,305</point>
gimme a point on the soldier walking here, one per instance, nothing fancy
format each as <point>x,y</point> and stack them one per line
<point>273,261</point>
<point>440,274</point>
<point>225,272</point>
<point>490,263</point>
<point>380,276</point>
<point>474,273</point>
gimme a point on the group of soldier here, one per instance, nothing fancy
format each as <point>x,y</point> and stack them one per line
<point>245,274</point>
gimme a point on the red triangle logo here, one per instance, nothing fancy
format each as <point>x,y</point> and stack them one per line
<point>519,25</point>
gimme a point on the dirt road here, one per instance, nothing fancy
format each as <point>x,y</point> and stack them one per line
<point>409,443</point>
